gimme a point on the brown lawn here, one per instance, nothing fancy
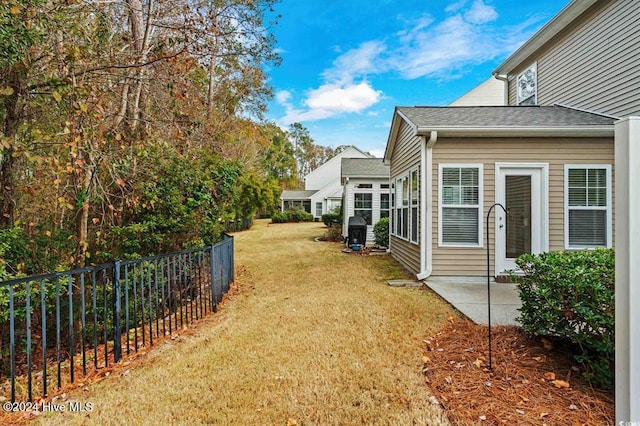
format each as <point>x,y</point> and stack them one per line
<point>309,336</point>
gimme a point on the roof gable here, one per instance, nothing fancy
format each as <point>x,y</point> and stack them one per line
<point>349,152</point>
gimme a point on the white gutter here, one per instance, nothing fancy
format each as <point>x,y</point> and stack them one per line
<point>505,81</point>
<point>426,211</point>
<point>520,131</point>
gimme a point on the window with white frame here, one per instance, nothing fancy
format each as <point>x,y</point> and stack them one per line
<point>459,205</point>
<point>415,202</point>
<point>319,209</point>
<point>588,221</point>
<point>392,216</point>
<point>384,205</point>
<point>405,206</point>
<point>363,206</point>
<point>527,86</point>
<point>401,207</point>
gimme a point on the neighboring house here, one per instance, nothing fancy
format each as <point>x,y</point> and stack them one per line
<point>292,198</point>
<point>366,192</point>
<point>489,93</point>
<point>323,191</point>
<point>548,156</point>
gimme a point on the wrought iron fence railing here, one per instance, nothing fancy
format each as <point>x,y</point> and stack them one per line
<point>87,318</point>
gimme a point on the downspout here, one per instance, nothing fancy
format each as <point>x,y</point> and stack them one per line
<point>505,80</point>
<point>426,211</point>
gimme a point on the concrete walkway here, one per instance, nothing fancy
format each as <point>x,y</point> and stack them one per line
<point>469,296</point>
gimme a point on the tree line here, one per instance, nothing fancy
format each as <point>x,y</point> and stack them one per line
<point>134,127</point>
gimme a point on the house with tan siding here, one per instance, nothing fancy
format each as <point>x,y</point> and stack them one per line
<point>547,156</point>
<point>449,165</point>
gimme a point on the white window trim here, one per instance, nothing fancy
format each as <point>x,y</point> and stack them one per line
<point>608,208</point>
<point>533,67</point>
<point>355,209</point>
<point>388,209</point>
<point>480,207</point>
<point>398,205</point>
<point>411,207</point>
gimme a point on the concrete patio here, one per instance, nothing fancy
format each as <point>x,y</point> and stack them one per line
<point>469,296</point>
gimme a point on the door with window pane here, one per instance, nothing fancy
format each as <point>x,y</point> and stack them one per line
<point>521,188</point>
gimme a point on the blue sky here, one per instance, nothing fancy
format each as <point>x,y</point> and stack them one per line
<point>348,63</point>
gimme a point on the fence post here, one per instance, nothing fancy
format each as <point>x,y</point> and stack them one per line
<point>233,260</point>
<point>212,265</point>
<point>627,241</point>
<point>117,317</point>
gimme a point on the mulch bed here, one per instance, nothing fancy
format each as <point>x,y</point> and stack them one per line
<point>532,382</point>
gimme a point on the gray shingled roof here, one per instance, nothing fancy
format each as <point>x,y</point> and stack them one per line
<point>502,116</point>
<point>288,194</point>
<point>364,167</point>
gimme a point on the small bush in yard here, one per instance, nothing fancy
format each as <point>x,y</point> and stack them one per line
<point>331,219</point>
<point>381,232</point>
<point>570,296</point>
<point>334,234</point>
<point>295,214</point>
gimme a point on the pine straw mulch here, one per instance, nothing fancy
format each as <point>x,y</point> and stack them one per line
<point>532,382</point>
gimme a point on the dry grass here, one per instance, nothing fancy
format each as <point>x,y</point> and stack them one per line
<point>311,336</point>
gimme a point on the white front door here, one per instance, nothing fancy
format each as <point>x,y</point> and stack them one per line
<point>523,190</point>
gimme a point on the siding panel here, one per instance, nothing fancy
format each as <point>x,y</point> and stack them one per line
<point>555,152</point>
<point>594,63</point>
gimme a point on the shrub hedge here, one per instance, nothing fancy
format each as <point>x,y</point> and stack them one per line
<point>295,214</point>
<point>570,296</point>
<point>332,219</point>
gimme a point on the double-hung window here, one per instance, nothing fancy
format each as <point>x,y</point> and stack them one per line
<point>363,206</point>
<point>384,204</point>
<point>460,205</point>
<point>587,219</point>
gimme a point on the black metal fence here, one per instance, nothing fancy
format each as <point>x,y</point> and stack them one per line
<point>87,318</point>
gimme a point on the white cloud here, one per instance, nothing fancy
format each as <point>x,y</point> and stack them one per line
<point>452,43</point>
<point>358,62</point>
<point>343,98</point>
<point>480,13</point>
<point>283,97</point>
<point>332,99</point>
<point>454,7</point>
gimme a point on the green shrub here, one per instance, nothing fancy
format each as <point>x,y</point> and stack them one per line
<point>298,214</point>
<point>381,232</point>
<point>295,214</point>
<point>278,217</point>
<point>570,296</point>
<point>331,219</point>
